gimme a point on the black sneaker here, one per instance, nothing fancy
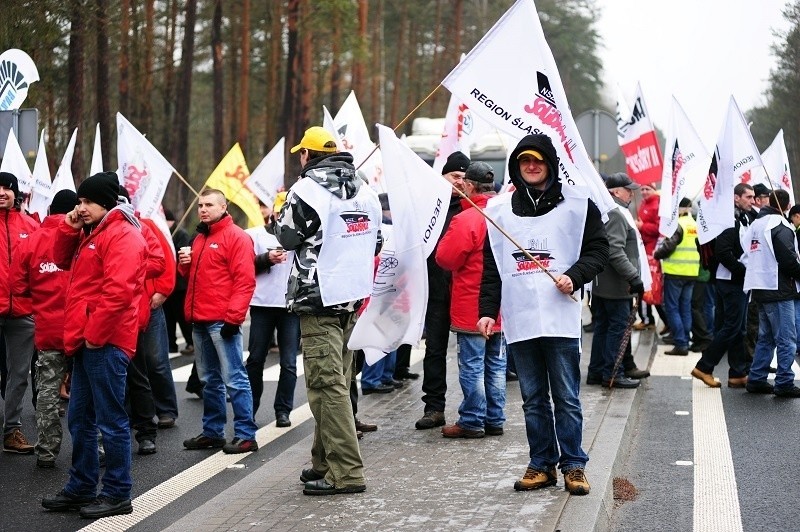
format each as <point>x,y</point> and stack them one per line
<point>65,502</point>
<point>593,378</point>
<point>105,506</point>
<point>204,442</point>
<point>238,446</point>
<point>787,391</point>
<point>430,420</point>
<point>759,387</point>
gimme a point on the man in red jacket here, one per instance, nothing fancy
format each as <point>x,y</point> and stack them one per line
<point>481,363</point>
<point>222,277</point>
<point>16,323</point>
<point>34,274</point>
<point>101,244</point>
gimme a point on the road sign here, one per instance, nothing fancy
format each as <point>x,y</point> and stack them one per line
<point>25,123</point>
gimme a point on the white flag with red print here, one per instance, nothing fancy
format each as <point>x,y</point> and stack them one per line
<point>462,128</point>
<point>776,164</point>
<point>521,93</point>
<point>735,154</point>
<point>143,171</point>
<point>637,140</point>
<point>684,166</point>
<point>419,199</point>
<point>352,136</point>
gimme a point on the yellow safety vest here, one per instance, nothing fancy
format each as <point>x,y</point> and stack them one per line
<point>685,260</point>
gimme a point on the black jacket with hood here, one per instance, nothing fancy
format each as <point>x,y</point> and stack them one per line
<point>527,201</point>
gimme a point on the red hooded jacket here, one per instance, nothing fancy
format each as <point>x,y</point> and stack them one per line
<point>107,269</point>
<point>461,251</point>
<point>222,275</point>
<point>34,274</point>
<point>160,274</point>
<point>648,214</point>
<point>15,228</point>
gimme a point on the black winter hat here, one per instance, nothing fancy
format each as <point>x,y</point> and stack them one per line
<point>759,189</point>
<point>456,162</point>
<point>685,203</point>
<point>63,202</point>
<point>9,180</point>
<point>480,172</point>
<point>101,188</point>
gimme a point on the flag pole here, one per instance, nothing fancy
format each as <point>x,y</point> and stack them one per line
<point>403,121</point>
<point>185,182</point>
<point>510,238</point>
<point>188,210</point>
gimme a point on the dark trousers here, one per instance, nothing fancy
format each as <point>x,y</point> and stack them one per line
<point>403,361</point>
<point>173,313</point>
<point>731,312</point>
<point>700,329</point>
<point>434,378</point>
<point>141,407</point>
<point>358,363</point>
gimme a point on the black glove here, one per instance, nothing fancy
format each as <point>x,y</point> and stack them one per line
<point>637,287</point>
<point>229,330</point>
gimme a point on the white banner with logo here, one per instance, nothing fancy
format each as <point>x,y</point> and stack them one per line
<point>17,72</point>
<point>637,140</point>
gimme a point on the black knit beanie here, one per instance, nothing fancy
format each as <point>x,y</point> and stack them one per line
<point>101,188</point>
<point>63,202</point>
<point>9,180</point>
<point>456,162</point>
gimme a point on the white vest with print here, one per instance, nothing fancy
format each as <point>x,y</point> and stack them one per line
<point>762,266</point>
<point>350,231</point>
<point>531,305</point>
<point>270,286</point>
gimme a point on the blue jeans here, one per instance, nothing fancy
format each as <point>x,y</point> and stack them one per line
<point>97,402</point>
<point>678,306</point>
<point>548,366</point>
<point>610,322</point>
<point>263,322</point>
<point>220,366</point>
<point>482,375</point>
<point>380,372</point>
<point>776,329</point>
<point>731,308</point>
<point>153,343</point>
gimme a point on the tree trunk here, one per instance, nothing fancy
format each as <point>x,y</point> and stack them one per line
<point>273,75</point>
<point>290,99</point>
<point>244,83</point>
<point>397,79</point>
<point>101,83</point>
<point>335,58</point>
<point>218,80</point>
<point>124,55</point>
<point>376,80</point>
<point>306,85</point>
<point>180,153</point>
<point>436,62</point>
<point>75,71</point>
<point>232,62</point>
<point>146,93</point>
<point>169,72</point>
<point>360,52</point>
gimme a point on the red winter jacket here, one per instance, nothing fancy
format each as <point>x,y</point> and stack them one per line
<point>222,275</point>
<point>34,274</point>
<point>107,269</point>
<point>160,268</point>
<point>15,228</point>
<point>461,251</point>
<point>648,214</point>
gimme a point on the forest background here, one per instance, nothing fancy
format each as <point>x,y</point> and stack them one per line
<point>197,76</point>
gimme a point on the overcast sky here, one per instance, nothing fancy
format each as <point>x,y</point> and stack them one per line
<point>702,51</point>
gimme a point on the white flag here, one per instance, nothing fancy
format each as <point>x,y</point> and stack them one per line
<point>521,93</point>
<point>776,163</point>
<point>142,169</point>
<point>14,162</point>
<point>64,180</point>
<point>40,190</point>
<point>327,123</point>
<point>352,136</point>
<point>685,156</point>
<point>462,128</point>
<point>267,179</point>
<point>419,199</point>
<point>97,154</point>
<point>17,72</point>
<point>735,154</point>
<point>637,140</point>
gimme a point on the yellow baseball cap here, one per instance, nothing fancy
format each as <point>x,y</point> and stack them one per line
<point>317,139</point>
<point>533,153</point>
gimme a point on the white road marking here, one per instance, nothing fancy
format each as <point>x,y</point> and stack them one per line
<point>716,497</point>
<point>684,462</point>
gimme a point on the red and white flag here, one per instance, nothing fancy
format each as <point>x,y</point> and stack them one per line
<point>350,130</point>
<point>735,154</point>
<point>419,198</point>
<point>267,179</point>
<point>143,171</point>
<point>637,140</point>
<point>686,159</point>
<point>776,165</point>
<point>521,93</point>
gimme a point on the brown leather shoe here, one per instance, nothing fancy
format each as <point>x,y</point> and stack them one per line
<point>431,419</point>
<point>535,479</point>
<point>707,378</point>
<point>575,482</point>
<point>454,431</point>
<point>15,442</point>
<point>737,382</point>
<point>365,427</point>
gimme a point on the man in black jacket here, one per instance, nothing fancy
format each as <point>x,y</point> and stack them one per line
<point>773,272</point>
<point>561,227</point>
<point>731,300</point>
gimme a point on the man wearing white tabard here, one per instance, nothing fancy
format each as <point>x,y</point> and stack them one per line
<point>563,229</point>
<point>330,220</point>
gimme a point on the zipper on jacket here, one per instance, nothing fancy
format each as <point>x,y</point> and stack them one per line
<point>10,292</point>
<point>194,277</point>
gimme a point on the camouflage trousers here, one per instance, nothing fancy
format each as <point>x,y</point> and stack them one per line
<point>50,368</point>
